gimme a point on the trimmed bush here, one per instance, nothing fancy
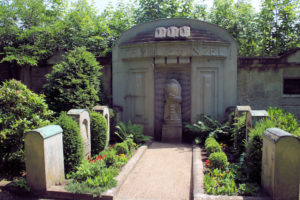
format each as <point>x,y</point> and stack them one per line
<point>72,141</point>
<point>212,146</point>
<point>21,110</point>
<point>130,144</point>
<point>75,82</point>
<point>99,133</point>
<point>121,148</point>
<point>218,160</point>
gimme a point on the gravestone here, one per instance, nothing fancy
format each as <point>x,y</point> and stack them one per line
<point>172,126</point>
<point>104,110</point>
<point>281,164</point>
<point>252,117</point>
<point>240,110</point>
<point>83,119</point>
<point>44,158</point>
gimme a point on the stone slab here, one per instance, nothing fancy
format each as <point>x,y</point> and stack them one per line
<point>171,133</point>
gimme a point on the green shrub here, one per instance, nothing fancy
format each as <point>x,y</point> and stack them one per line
<point>239,133</point>
<point>218,160</point>
<point>74,83</point>
<point>21,110</point>
<point>207,126</point>
<point>110,157</point>
<point>130,144</point>
<point>277,118</point>
<point>121,148</point>
<point>209,140</point>
<point>99,133</point>
<point>131,131</point>
<point>212,146</point>
<point>72,142</point>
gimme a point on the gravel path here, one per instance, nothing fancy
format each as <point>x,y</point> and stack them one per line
<point>163,173</point>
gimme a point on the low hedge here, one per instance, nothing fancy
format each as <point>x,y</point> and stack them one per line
<point>211,146</point>
<point>72,142</point>
<point>99,133</point>
<point>218,160</point>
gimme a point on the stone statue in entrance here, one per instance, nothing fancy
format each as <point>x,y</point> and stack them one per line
<point>172,112</point>
<point>172,126</point>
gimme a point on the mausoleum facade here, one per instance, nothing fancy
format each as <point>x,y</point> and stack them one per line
<point>201,57</point>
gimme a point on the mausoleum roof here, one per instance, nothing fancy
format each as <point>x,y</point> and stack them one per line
<point>195,35</point>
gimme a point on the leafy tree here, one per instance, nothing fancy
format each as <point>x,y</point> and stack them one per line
<point>75,82</point>
<point>240,20</point>
<point>26,30</point>
<point>150,10</point>
<point>279,28</point>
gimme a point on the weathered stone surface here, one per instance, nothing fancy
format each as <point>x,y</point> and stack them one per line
<point>185,32</point>
<point>104,110</point>
<point>82,117</point>
<point>281,164</point>
<point>160,33</point>
<point>44,158</point>
<point>172,32</point>
<point>254,116</point>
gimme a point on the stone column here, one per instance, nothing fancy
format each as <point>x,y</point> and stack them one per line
<point>44,158</point>
<point>82,117</point>
<point>281,164</point>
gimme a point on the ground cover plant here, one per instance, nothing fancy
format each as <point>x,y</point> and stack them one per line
<point>21,110</point>
<point>97,175</point>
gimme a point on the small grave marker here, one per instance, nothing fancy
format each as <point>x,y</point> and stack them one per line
<point>44,158</point>
<point>281,164</point>
<point>83,119</point>
<point>254,116</point>
<point>104,110</point>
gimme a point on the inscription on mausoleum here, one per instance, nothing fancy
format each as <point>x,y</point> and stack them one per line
<point>172,32</point>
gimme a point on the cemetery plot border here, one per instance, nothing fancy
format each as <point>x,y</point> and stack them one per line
<point>198,182</point>
<point>59,192</point>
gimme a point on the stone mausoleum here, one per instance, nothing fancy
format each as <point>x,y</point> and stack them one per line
<point>200,57</point>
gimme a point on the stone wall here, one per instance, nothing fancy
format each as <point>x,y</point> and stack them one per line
<point>261,82</point>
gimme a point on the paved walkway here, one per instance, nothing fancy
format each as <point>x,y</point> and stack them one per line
<point>163,173</point>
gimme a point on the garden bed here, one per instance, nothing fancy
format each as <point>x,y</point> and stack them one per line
<point>199,168</point>
<point>59,191</point>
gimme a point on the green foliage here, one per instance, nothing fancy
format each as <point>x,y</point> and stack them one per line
<point>130,144</point>
<point>72,142</point>
<point>239,133</point>
<point>277,118</point>
<point>218,160</point>
<point>21,110</point>
<point>74,83</point>
<point>121,148</point>
<point>92,177</point>
<point>131,131</point>
<point>211,146</point>
<point>21,183</point>
<point>99,133</point>
<point>26,31</point>
<point>219,182</point>
<point>150,10</point>
<point>248,189</point>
